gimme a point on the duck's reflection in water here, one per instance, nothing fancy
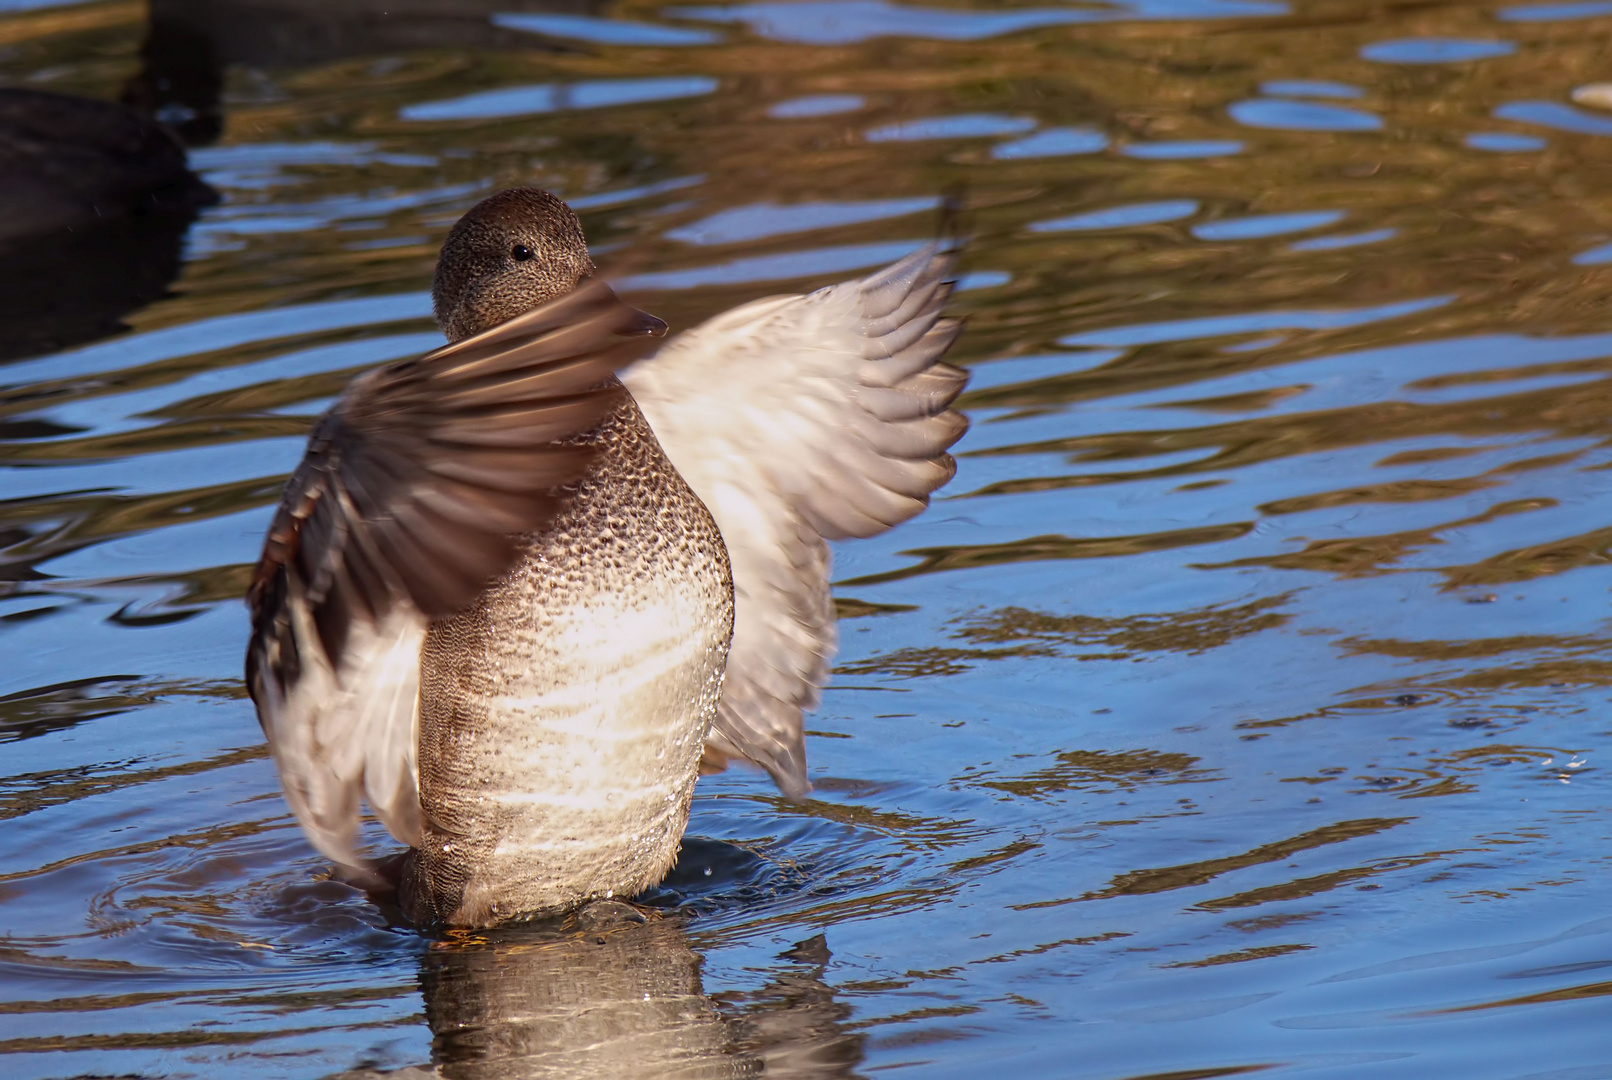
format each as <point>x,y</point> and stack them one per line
<point>95,200</point>
<point>190,43</point>
<point>794,1025</point>
<point>612,991</point>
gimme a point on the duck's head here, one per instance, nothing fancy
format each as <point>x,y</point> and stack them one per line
<point>510,253</point>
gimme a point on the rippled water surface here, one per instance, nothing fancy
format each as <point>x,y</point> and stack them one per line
<point>1241,707</point>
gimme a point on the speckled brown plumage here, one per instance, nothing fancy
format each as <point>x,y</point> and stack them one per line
<point>546,776</point>
<point>477,287</point>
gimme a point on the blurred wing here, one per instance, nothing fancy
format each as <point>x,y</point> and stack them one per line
<point>800,419</point>
<point>407,501</point>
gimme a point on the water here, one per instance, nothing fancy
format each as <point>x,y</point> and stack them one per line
<point>1242,707</point>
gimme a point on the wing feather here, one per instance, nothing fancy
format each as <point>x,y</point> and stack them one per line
<point>405,504</point>
<point>797,420</point>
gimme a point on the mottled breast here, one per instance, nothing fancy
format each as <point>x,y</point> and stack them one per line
<point>562,715</point>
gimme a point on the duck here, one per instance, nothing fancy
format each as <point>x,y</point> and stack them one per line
<point>69,163</point>
<point>95,203</point>
<point>521,591</point>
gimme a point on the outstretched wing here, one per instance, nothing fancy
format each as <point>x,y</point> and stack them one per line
<point>407,501</point>
<point>800,419</point>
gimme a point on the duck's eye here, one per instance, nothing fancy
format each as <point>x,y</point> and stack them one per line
<point>521,252</point>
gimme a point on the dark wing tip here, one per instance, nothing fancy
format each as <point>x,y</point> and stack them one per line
<point>645,324</point>
<point>955,225</point>
<point>791,781</point>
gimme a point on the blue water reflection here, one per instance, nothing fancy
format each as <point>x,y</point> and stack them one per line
<point>1251,322</point>
<point>964,126</point>
<point>1052,142</point>
<point>1502,142</point>
<point>1554,114</point>
<point>1309,88</point>
<point>557,97</point>
<point>1301,116</point>
<point>1121,217</point>
<point>1261,225</point>
<point>1183,150</point>
<point>817,105</point>
<point>1588,9</point>
<point>760,220</point>
<point>1595,256</point>
<point>605,31</point>
<point>844,22</point>
<point>1435,50</point>
<point>769,268</point>
<point>1346,240</point>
